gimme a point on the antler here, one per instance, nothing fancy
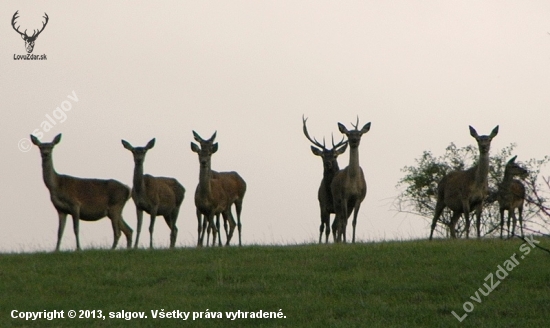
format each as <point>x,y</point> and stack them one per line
<point>356,124</point>
<point>13,24</point>
<point>314,141</point>
<point>35,34</point>
<point>341,143</point>
<point>201,140</point>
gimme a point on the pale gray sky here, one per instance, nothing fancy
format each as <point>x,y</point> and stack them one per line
<point>421,72</point>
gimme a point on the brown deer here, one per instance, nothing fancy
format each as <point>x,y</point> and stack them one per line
<point>464,191</point>
<point>348,185</point>
<point>216,193</point>
<point>154,195</point>
<point>330,168</point>
<point>83,199</point>
<point>511,195</point>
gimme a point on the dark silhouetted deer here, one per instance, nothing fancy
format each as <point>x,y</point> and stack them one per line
<point>154,195</point>
<point>29,40</point>
<point>83,199</point>
<point>511,195</point>
<point>216,193</point>
<point>330,168</point>
<point>348,185</point>
<point>464,191</point>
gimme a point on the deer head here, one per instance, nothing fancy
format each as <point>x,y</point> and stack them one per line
<point>29,40</point>
<point>206,149</point>
<point>515,170</point>
<point>329,156</point>
<point>46,148</point>
<point>354,136</point>
<point>139,152</point>
<point>484,142</point>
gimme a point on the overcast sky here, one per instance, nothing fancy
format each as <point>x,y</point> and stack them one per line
<point>420,71</point>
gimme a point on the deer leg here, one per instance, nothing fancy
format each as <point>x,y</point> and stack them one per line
<point>218,227</point>
<point>125,228</point>
<point>212,226</point>
<point>452,225</point>
<point>512,214</point>
<point>61,228</point>
<point>239,207</point>
<point>502,221</point>
<point>335,228</point>
<point>478,220</point>
<point>115,223</point>
<point>438,210</point>
<point>152,227</point>
<point>354,223</point>
<point>325,220</point>
<point>200,229</point>
<point>76,222</point>
<point>173,228</point>
<point>343,222</point>
<point>139,214</point>
<point>229,218</point>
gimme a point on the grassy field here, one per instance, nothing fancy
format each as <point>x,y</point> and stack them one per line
<point>388,284</point>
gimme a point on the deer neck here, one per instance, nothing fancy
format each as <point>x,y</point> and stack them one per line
<point>507,180</point>
<point>48,173</point>
<point>482,169</point>
<point>353,168</point>
<point>205,175</point>
<point>139,184</point>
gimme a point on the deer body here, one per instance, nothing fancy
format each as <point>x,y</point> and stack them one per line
<point>83,199</point>
<point>215,194</point>
<point>349,187</point>
<point>158,196</point>
<point>511,195</point>
<point>464,191</point>
<point>330,169</point>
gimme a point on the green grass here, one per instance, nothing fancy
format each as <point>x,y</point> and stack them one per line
<point>388,284</point>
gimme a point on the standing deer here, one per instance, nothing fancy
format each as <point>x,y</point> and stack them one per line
<point>348,186</point>
<point>330,168</point>
<point>511,194</point>
<point>464,191</point>
<point>215,193</point>
<point>83,199</point>
<point>154,195</point>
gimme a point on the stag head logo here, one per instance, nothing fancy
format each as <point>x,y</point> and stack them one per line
<point>29,40</point>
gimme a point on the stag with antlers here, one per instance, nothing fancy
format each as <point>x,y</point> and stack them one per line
<point>348,186</point>
<point>216,193</point>
<point>330,168</point>
<point>29,40</point>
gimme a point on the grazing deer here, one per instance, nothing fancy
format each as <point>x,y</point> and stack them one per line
<point>464,191</point>
<point>215,193</point>
<point>330,168</point>
<point>154,195</point>
<point>29,40</point>
<point>83,199</point>
<point>348,185</point>
<point>511,194</point>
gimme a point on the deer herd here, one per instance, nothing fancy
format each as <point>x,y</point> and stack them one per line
<point>341,192</point>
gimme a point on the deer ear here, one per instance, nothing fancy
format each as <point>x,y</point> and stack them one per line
<point>195,148</point>
<point>150,144</point>
<point>57,139</point>
<point>513,159</point>
<point>494,132</point>
<point>126,145</point>
<point>214,146</point>
<point>473,132</point>
<point>35,140</point>
<point>316,151</point>
<point>366,128</point>
<point>342,128</point>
